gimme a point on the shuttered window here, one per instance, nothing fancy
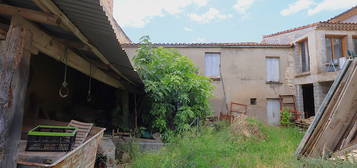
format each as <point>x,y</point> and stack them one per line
<point>212,64</point>
<point>273,69</point>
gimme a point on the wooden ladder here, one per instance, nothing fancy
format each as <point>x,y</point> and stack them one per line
<point>288,101</point>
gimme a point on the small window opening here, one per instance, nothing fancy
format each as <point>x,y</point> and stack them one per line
<point>253,101</point>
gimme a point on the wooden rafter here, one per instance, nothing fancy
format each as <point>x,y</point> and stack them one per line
<point>55,49</point>
<point>50,6</point>
<point>29,14</point>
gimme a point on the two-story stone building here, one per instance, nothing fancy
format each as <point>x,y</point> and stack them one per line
<point>302,62</point>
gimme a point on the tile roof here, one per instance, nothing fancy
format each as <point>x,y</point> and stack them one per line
<point>336,26</point>
<point>331,21</point>
<point>290,30</point>
<point>334,19</point>
<point>212,45</point>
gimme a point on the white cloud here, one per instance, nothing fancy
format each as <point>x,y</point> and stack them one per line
<point>200,40</point>
<point>210,15</point>
<point>328,5</point>
<point>187,29</point>
<point>201,2</point>
<point>297,6</point>
<point>242,6</point>
<point>137,13</point>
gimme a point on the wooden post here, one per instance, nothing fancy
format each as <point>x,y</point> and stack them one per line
<point>15,55</point>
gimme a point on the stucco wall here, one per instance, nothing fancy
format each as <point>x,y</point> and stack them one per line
<point>244,76</point>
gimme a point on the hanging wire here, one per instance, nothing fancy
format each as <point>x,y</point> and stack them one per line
<point>89,96</point>
<point>64,91</point>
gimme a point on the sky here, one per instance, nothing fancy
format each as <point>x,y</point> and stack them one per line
<point>205,21</point>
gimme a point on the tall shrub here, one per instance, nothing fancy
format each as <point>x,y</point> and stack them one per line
<point>178,94</point>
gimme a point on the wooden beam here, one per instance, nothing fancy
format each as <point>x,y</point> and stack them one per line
<point>29,14</point>
<point>52,7</point>
<point>55,49</point>
<point>14,73</point>
<point>73,44</point>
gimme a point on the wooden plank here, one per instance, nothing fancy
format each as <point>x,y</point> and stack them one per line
<point>29,14</point>
<point>52,7</point>
<point>51,47</point>
<point>337,117</point>
<point>322,126</point>
<point>83,131</point>
<point>302,146</point>
<point>14,72</point>
<point>350,135</point>
<point>341,118</point>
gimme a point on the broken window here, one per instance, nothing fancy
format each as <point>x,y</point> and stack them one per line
<point>305,58</point>
<point>212,64</point>
<point>273,69</point>
<point>335,52</point>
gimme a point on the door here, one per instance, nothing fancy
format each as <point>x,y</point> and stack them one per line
<point>273,111</point>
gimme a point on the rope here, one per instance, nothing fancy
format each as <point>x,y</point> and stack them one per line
<point>64,91</point>
<point>89,97</point>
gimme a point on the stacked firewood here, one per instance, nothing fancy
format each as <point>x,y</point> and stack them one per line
<point>304,123</point>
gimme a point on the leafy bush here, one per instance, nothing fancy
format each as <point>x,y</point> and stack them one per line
<point>178,94</point>
<point>286,118</point>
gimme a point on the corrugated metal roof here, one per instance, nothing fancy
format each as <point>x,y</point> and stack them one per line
<point>91,19</point>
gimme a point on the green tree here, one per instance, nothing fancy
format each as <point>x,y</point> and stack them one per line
<point>178,94</point>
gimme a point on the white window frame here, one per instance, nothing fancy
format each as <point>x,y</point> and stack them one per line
<point>212,64</point>
<point>272,73</point>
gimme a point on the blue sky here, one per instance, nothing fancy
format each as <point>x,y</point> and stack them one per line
<point>219,20</point>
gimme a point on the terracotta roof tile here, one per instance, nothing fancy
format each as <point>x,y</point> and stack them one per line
<point>337,26</point>
<point>336,17</point>
<point>241,44</point>
<point>331,20</point>
<point>291,30</point>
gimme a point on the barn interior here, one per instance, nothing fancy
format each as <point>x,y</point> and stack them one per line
<point>76,71</point>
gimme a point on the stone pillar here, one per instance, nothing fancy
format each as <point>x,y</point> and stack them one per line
<point>320,91</point>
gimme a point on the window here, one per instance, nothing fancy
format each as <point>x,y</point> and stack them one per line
<point>305,58</point>
<point>354,39</point>
<point>335,52</point>
<point>253,101</point>
<point>272,69</point>
<point>212,64</point>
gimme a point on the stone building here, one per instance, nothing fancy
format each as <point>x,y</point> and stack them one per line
<point>299,62</point>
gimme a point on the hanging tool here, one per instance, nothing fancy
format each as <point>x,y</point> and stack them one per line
<point>64,91</point>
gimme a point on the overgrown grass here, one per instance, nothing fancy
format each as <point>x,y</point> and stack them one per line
<point>213,148</point>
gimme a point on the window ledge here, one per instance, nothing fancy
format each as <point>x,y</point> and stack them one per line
<point>273,82</point>
<point>214,78</point>
<point>303,74</point>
